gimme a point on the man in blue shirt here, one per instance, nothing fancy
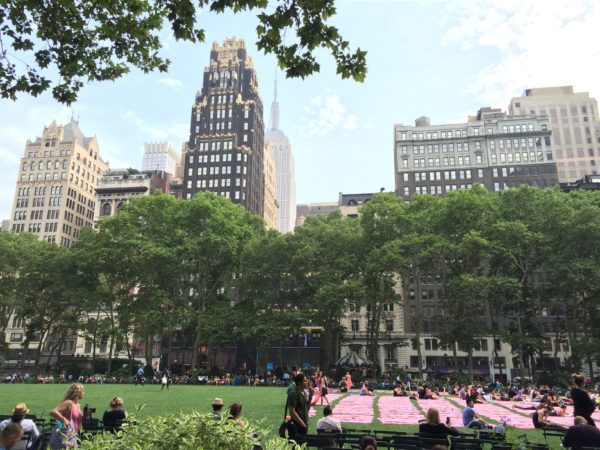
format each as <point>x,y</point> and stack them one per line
<point>471,419</point>
<point>139,376</point>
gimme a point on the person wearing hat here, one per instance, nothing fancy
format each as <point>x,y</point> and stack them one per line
<point>217,406</point>
<point>18,417</point>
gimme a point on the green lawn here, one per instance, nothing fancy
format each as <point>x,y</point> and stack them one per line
<point>259,403</point>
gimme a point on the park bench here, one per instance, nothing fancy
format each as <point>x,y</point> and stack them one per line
<point>466,443</point>
<point>554,431</point>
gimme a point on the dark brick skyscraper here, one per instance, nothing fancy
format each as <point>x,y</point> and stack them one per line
<point>226,146</point>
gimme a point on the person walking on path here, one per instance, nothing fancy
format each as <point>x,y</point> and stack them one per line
<point>165,380</point>
<point>322,384</point>
<point>298,404</point>
<point>139,376</point>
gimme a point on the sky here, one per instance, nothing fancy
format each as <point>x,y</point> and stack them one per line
<point>441,59</point>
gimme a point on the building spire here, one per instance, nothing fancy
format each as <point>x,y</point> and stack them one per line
<point>275,109</point>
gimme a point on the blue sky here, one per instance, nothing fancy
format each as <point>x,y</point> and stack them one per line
<point>434,58</point>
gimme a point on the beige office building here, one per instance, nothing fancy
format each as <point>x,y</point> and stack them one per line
<point>55,195</point>
<point>271,206</point>
<point>575,127</point>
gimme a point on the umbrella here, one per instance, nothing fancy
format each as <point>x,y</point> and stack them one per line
<point>353,359</point>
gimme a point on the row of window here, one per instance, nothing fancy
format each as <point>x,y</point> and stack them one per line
<point>49,165</point>
<point>49,153</point>
<point>226,194</point>
<point>502,158</point>
<point>454,134</point>
<point>216,170</point>
<point>355,325</point>
<point>445,161</point>
<point>445,175</point>
<point>224,182</point>
<point>436,190</point>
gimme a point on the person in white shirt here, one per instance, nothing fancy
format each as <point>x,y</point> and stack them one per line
<point>18,417</point>
<point>327,423</point>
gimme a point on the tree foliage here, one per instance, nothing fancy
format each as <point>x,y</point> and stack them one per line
<point>61,45</point>
<point>522,266</point>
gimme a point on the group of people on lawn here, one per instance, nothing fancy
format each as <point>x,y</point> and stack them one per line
<point>301,393</point>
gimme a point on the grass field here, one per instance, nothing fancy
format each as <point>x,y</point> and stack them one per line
<point>264,404</point>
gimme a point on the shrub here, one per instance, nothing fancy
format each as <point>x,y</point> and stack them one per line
<point>181,431</point>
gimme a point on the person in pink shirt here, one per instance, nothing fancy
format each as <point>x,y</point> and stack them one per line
<point>69,409</point>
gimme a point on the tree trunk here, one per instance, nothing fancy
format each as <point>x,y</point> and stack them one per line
<point>195,347</point>
<point>470,363</point>
<point>169,346</point>
<point>149,350</point>
<point>455,355</point>
<point>417,321</point>
<point>24,354</point>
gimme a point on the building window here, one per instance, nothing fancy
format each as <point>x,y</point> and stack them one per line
<point>354,324</point>
<point>106,209</point>
<point>389,325</point>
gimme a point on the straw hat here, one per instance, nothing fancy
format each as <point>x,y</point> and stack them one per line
<point>217,402</point>
<point>20,409</point>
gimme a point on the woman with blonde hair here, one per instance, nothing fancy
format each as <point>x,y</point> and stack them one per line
<point>433,425</point>
<point>114,416</point>
<point>69,412</point>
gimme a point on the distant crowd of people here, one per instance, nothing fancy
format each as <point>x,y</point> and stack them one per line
<point>304,391</point>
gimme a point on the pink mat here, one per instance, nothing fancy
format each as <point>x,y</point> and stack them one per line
<point>446,409</point>
<point>355,409</point>
<point>496,412</point>
<point>398,410</point>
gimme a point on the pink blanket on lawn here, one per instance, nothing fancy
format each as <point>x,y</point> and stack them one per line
<point>398,410</point>
<point>355,409</point>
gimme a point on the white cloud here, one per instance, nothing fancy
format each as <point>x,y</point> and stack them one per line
<point>171,82</point>
<point>539,44</point>
<point>326,113</point>
<point>174,130</point>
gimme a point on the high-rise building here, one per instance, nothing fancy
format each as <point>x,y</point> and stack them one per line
<point>225,151</point>
<point>491,148</point>
<point>271,207</point>
<point>575,127</point>
<point>285,169</point>
<point>160,156</point>
<point>55,195</point>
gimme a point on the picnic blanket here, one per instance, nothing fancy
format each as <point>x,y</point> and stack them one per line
<point>398,410</point>
<point>355,409</point>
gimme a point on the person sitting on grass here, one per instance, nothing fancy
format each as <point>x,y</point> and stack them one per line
<point>10,435</point>
<point>364,390</point>
<point>471,419</point>
<point>399,390</point>
<point>540,417</point>
<point>432,424</point>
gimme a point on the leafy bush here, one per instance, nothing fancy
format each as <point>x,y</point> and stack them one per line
<point>181,431</point>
